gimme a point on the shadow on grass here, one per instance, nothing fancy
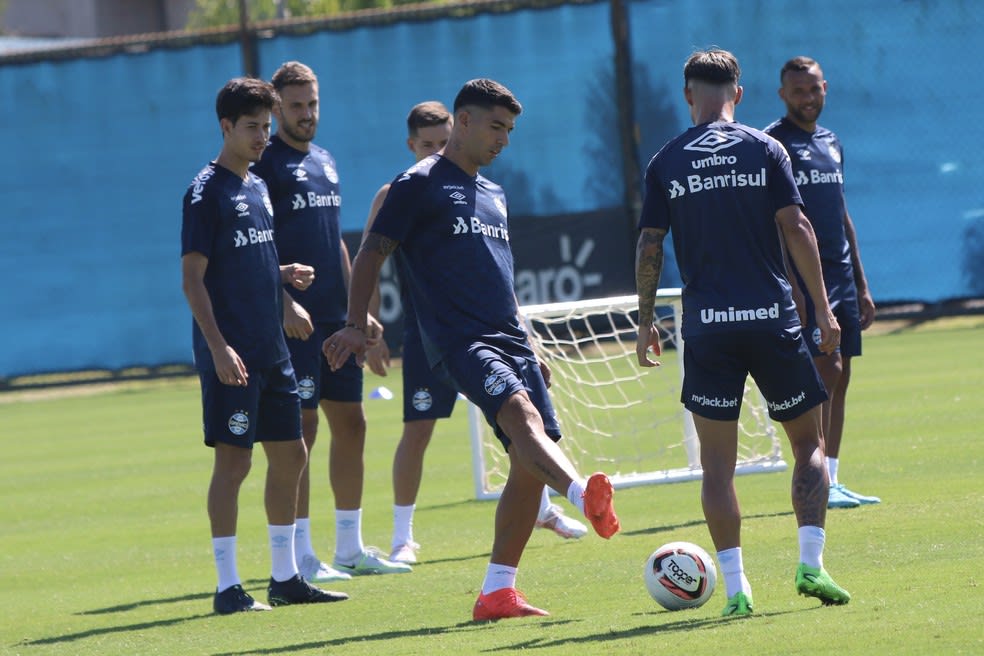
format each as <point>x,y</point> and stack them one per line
<point>669,528</point>
<point>319,645</point>
<point>133,605</point>
<point>125,628</point>
<point>608,635</point>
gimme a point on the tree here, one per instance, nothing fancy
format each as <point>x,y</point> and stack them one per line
<point>217,13</point>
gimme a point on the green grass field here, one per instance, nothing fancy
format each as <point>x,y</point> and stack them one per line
<point>104,545</point>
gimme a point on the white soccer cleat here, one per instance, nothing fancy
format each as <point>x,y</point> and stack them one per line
<point>554,519</point>
<point>315,571</point>
<point>405,553</point>
<point>371,561</point>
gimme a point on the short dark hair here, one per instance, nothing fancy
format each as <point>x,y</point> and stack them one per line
<point>486,93</point>
<point>714,66</point>
<point>426,114</point>
<point>293,72</point>
<point>244,95</point>
<point>801,63</point>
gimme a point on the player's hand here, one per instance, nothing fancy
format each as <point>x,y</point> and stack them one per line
<point>830,332</point>
<point>299,276</point>
<point>297,321</point>
<point>374,332</point>
<point>343,344</point>
<point>378,358</point>
<point>229,367</point>
<point>646,341</point>
<point>544,371</point>
<point>866,306</point>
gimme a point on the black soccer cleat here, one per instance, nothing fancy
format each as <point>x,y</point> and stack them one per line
<point>298,591</point>
<point>235,600</point>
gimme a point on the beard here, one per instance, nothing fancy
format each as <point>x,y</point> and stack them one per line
<point>809,116</point>
<point>299,133</point>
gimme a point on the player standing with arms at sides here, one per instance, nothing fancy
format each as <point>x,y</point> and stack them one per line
<point>818,167</point>
<point>233,281</point>
<point>426,397</point>
<point>450,222</point>
<point>303,182</point>
<point>722,188</point>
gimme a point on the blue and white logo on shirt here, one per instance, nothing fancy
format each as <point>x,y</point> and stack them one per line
<point>238,423</point>
<point>331,173</point>
<point>712,141</point>
<point>495,385</point>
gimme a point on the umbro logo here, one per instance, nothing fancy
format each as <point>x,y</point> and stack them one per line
<point>803,154</point>
<point>242,209</point>
<point>300,173</point>
<point>458,198</point>
<point>712,141</point>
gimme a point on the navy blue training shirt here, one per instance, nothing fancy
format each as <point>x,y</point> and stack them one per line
<point>306,208</point>
<point>454,236</point>
<point>818,168</point>
<point>229,221</point>
<point>717,188</point>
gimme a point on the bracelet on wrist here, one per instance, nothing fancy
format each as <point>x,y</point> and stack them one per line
<point>352,324</point>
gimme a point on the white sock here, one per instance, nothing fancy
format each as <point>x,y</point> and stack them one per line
<point>498,577</point>
<point>811,540</point>
<point>282,552</point>
<point>733,570</point>
<point>544,504</point>
<point>302,539</point>
<point>403,525</point>
<point>348,536</point>
<point>224,552</point>
<point>575,494</point>
<point>832,470</point>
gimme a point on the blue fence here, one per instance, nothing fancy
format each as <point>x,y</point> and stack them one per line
<point>101,149</point>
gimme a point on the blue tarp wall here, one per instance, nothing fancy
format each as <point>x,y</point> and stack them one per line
<point>99,150</point>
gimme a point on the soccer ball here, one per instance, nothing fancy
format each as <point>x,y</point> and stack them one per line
<point>680,575</point>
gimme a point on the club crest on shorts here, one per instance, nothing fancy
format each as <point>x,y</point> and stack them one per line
<point>495,385</point>
<point>238,423</point>
<point>422,400</point>
<point>817,337</point>
<point>305,388</point>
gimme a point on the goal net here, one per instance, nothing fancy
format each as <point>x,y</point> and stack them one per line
<point>616,416</point>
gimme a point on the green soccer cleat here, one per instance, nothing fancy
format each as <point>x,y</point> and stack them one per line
<point>815,582</point>
<point>837,499</point>
<point>860,498</point>
<point>739,605</point>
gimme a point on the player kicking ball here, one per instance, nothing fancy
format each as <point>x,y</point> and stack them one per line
<point>450,224</point>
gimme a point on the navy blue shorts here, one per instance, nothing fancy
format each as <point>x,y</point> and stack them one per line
<point>315,379</point>
<point>426,395</point>
<point>488,376</point>
<point>266,410</point>
<point>717,364</point>
<point>848,316</point>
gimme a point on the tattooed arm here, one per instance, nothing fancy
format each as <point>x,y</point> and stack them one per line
<point>353,338</point>
<point>649,266</point>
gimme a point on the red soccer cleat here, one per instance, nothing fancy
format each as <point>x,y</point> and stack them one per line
<point>507,602</point>
<point>598,507</point>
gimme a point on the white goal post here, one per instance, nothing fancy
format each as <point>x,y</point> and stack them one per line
<point>616,416</point>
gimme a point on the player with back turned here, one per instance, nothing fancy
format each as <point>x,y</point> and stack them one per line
<point>722,188</point>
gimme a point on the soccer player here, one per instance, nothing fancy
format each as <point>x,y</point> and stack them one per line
<point>818,166</point>
<point>426,397</point>
<point>303,182</point>
<point>722,188</point>
<point>451,225</point>
<point>233,281</point>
